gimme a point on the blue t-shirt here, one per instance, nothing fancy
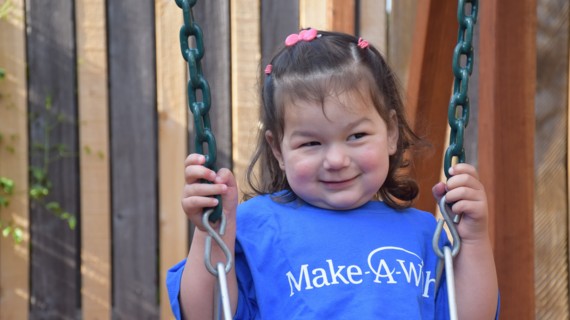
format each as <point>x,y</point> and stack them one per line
<point>296,261</point>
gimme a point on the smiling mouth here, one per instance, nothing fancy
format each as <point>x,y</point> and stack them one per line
<point>338,183</point>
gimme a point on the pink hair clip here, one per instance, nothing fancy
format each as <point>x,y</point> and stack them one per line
<point>268,69</point>
<point>363,43</point>
<point>305,35</point>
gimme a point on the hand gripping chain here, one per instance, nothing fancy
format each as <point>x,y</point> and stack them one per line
<point>204,135</point>
<point>458,124</point>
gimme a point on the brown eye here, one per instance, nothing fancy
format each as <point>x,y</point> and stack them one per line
<point>310,144</point>
<point>357,136</point>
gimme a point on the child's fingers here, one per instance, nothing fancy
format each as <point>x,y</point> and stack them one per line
<point>464,168</point>
<point>463,180</point>
<point>194,206</point>
<point>203,189</point>
<point>438,191</point>
<point>194,159</point>
<point>463,193</point>
<point>194,173</point>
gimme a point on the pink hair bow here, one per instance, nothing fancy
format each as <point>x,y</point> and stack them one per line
<point>363,43</point>
<point>306,35</point>
<point>268,69</point>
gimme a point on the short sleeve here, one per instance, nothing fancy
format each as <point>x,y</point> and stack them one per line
<point>173,280</point>
<point>247,307</point>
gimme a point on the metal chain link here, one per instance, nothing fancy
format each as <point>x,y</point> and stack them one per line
<point>458,123</point>
<point>204,134</point>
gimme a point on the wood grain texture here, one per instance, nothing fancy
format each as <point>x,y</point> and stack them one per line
<point>213,16</point>
<point>279,19</point>
<point>506,158</point>
<point>91,43</point>
<point>550,171</point>
<point>132,92</point>
<point>172,142</point>
<point>314,14</point>
<point>401,37</point>
<point>14,258</point>
<point>429,86</point>
<point>341,15</point>
<point>245,59</point>
<point>55,247</point>
<point>372,23</point>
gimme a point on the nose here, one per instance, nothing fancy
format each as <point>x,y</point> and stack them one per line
<point>336,158</point>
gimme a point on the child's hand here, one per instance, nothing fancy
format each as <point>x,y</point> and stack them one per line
<point>195,196</point>
<point>465,188</point>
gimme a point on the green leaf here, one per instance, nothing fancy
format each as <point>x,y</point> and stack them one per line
<point>48,102</point>
<point>2,71</point>
<point>38,146</point>
<point>6,231</point>
<point>4,202</point>
<point>1,136</point>
<point>17,235</point>
<point>64,216</point>
<point>101,154</point>
<point>7,185</point>
<point>10,149</point>
<point>87,150</point>
<point>72,222</point>
<point>54,208</point>
<point>38,173</point>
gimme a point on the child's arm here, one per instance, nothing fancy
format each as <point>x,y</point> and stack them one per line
<point>197,287</point>
<point>474,266</point>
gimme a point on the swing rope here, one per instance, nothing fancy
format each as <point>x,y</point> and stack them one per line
<point>204,134</point>
<point>458,123</point>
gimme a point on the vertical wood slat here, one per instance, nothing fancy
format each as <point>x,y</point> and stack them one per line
<point>331,15</point>
<point>213,16</point>
<point>14,259</point>
<point>506,159</point>
<point>245,58</point>
<point>132,93</point>
<point>279,19</point>
<point>429,83</point>
<point>52,67</point>
<point>372,23</point>
<point>172,142</point>
<point>402,21</point>
<point>550,188</point>
<point>94,159</point>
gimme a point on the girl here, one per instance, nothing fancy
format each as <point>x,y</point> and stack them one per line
<point>331,233</point>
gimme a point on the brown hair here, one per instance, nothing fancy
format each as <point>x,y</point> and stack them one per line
<point>311,70</point>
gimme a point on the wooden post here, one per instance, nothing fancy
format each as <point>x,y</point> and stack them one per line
<point>55,248</point>
<point>172,142</point>
<point>332,15</point>
<point>402,23</point>
<point>94,159</point>
<point>245,57</point>
<point>134,174</point>
<point>429,83</point>
<point>14,258</point>
<point>373,23</point>
<point>506,148</point>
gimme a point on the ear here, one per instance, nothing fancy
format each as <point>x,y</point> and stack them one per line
<point>275,148</point>
<point>393,132</point>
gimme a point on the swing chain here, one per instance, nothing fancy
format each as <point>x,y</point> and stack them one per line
<point>197,82</point>
<point>464,47</point>
<point>204,134</point>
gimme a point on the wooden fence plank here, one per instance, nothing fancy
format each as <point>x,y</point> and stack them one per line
<point>245,58</point>
<point>506,159</point>
<point>213,16</point>
<point>402,22</point>
<point>550,171</point>
<point>94,159</point>
<point>372,23</point>
<point>14,258</point>
<point>172,142</point>
<point>279,19</point>
<point>333,15</point>
<point>52,67</point>
<point>132,93</point>
<point>429,83</point>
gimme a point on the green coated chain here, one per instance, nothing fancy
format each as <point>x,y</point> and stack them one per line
<point>460,86</point>
<point>198,82</point>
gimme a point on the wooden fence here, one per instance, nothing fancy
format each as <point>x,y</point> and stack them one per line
<point>114,72</point>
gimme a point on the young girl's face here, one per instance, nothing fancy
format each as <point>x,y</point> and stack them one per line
<point>337,159</point>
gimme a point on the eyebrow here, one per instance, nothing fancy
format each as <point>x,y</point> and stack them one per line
<point>311,133</point>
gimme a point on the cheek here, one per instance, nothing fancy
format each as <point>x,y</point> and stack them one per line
<point>302,170</point>
<point>373,157</point>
